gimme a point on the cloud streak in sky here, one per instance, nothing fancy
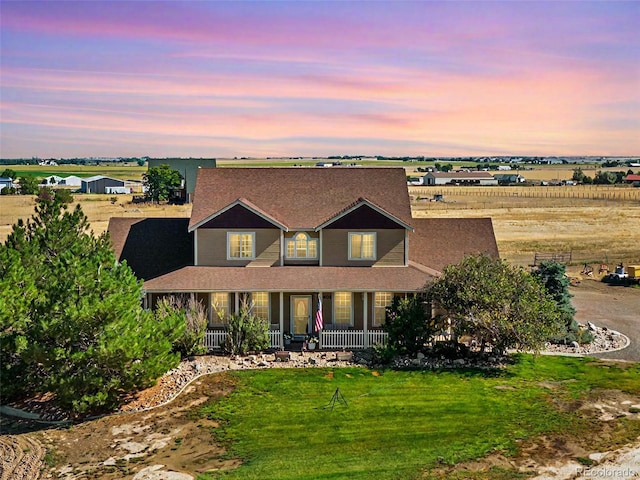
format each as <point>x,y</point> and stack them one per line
<point>319,78</point>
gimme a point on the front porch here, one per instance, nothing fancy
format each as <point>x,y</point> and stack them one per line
<point>328,339</point>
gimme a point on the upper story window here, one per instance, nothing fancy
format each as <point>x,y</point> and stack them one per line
<point>362,246</point>
<point>241,245</point>
<point>302,246</point>
<point>382,300</point>
<point>220,307</point>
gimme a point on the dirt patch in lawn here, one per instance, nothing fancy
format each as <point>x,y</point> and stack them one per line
<point>122,446</point>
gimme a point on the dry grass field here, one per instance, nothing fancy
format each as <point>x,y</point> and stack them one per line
<point>98,209</point>
<point>594,223</point>
<point>597,224</point>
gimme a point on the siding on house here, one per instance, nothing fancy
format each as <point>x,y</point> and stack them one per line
<point>212,248</point>
<point>389,248</point>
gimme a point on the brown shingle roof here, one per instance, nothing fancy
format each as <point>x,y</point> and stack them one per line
<point>438,242</point>
<point>301,198</point>
<point>298,279</point>
<point>152,246</point>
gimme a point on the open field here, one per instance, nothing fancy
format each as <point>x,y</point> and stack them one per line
<point>98,209</point>
<point>596,223</point>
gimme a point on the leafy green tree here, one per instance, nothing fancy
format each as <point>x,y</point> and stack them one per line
<point>8,173</point>
<point>496,304</point>
<point>71,322</point>
<point>28,185</point>
<point>410,325</point>
<point>578,175</point>
<point>604,178</point>
<point>63,195</point>
<point>161,181</point>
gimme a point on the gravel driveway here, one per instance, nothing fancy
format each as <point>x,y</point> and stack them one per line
<point>612,306</point>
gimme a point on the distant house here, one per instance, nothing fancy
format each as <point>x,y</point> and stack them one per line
<point>459,178</point>
<point>507,178</point>
<point>6,182</point>
<point>633,180</point>
<point>101,184</point>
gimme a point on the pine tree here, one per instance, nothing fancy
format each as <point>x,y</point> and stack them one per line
<point>71,321</point>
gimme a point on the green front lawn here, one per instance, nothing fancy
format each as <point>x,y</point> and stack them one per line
<point>398,424</point>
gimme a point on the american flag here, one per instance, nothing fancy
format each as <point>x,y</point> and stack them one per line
<point>319,322</point>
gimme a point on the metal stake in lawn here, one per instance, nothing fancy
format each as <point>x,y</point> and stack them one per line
<point>336,398</point>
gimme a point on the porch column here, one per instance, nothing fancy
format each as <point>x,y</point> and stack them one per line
<point>319,332</point>
<point>236,306</point>
<point>282,247</point>
<point>209,310</point>
<point>365,318</point>
<point>282,318</point>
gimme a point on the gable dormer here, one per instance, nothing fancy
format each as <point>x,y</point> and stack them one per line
<point>240,235</point>
<point>364,235</point>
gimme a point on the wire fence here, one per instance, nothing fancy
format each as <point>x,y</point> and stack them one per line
<point>584,192</point>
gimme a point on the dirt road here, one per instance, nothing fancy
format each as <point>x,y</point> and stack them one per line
<point>612,306</point>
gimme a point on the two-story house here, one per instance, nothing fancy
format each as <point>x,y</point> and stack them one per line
<point>291,241</point>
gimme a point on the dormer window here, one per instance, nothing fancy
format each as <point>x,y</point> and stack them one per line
<point>302,246</point>
<point>362,246</point>
<point>241,245</point>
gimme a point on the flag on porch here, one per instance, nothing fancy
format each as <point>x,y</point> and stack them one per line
<point>319,322</point>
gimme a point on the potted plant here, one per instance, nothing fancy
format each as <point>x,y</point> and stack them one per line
<point>287,338</point>
<point>312,341</point>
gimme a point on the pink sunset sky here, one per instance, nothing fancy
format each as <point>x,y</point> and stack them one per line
<point>225,79</point>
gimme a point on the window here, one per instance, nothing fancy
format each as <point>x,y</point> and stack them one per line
<point>220,308</point>
<point>302,246</point>
<point>342,307</point>
<point>362,246</point>
<point>381,301</point>
<point>241,245</point>
<point>260,305</point>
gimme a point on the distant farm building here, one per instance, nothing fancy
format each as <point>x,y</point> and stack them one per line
<point>508,178</point>
<point>188,168</point>
<point>416,181</point>
<point>5,182</point>
<point>633,180</point>
<point>102,184</point>
<point>70,181</point>
<point>459,178</point>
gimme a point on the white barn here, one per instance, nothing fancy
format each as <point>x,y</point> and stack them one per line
<point>459,178</point>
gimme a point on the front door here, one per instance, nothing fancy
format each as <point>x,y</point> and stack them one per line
<point>300,314</point>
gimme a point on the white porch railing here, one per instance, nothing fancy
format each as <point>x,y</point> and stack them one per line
<point>215,339</point>
<point>275,339</point>
<point>351,338</point>
<point>377,337</point>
